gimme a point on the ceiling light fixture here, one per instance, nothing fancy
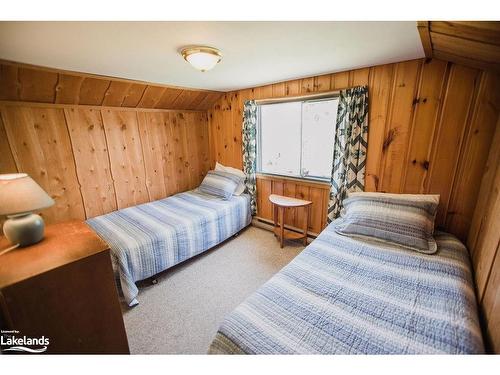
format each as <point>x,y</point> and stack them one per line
<point>201,57</point>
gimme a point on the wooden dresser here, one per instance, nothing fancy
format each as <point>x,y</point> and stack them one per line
<point>63,289</point>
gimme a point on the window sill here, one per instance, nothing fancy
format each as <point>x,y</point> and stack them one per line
<point>313,181</point>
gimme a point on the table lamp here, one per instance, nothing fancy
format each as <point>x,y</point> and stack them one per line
<point>19,196</point>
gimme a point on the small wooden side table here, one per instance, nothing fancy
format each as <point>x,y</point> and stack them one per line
<point>280,203</point>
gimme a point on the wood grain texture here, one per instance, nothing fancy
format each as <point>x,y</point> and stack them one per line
<point>484,31</point>
<point>490,307</point>
<point>22,82</point>
<point>473,49</point>
<point>398,126</point>
<point>126,157</point>
<point>176,152</point>
<point>90,151</point>
<point>151,97</point>
<point>317,193</point>
<point>35,86</point>
<point>485,228</point>
<point>71,272</point>
<point>116,93</point>
<point>142,155</point>
<point>449,137</point>
<point>429,122</point>
<point>134,95</point>
<point>92,91</point>
<point>425,37</point>
<point>485,191</point>
<point>180,147</point>
<point>168,98</point>
<point>7,163</point>
<point>427,105</point>
<point>486,246</point>
<point>483,242</point>
<point>478,140</point>
<point>155,129</point>
<point>472,43</point>
<point>379,97</point>
<point>68,89</point>
<point>9,82</point>
<point>41,147</point>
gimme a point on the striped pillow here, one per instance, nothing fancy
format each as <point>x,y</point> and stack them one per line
<point>219,183</point>
<point>404,219</point>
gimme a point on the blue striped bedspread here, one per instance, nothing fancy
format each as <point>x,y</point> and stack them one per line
<point>350,296</point>
<point>152,237</point>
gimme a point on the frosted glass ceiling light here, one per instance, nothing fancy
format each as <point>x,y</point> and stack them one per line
<point>201,57</point>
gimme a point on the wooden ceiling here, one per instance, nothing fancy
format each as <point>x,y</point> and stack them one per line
<point>472,43</point>
<point>28,83</point>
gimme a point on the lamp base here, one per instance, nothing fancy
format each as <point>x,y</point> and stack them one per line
<point>26,229</point>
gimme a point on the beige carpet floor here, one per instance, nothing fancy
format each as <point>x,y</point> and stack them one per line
<point>182,312</point>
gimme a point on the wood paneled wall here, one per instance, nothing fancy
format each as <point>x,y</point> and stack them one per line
<point>29,83</point>
<point>93,160</point>
<point>484,242</point>
<point>317,193</point>
<point>431,127</point>
<point>472,43</point>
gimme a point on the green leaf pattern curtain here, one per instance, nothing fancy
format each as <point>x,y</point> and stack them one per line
<point>351,142</point>
<point>249,145</point>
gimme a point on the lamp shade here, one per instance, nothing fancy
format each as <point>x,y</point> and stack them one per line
<point>20,194</point>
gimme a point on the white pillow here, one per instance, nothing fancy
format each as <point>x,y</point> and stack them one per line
<point>241,186</point>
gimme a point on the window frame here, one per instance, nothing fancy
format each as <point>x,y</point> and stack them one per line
<point>302,99</point>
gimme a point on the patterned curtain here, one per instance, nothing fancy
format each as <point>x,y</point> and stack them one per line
<point>351,141</point>
<point>249,145</point>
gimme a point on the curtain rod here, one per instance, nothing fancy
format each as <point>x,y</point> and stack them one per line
<point>326,94</point>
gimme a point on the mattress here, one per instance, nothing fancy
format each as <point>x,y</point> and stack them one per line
<point>152,237</point>
<point>349,296</point>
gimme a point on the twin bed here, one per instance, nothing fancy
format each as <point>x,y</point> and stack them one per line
<point>152,237</point>
<point>344,294</point>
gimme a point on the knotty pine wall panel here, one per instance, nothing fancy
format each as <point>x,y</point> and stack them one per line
<point>484,242</point>
<point>449,137</point>
<point>379,98</point>
<point>175,149</point>
<point>398,125</point>
<point>93,160</point>
<point>36,86</point>
<point>126,157</point>
<point>477,141</point>
<point>431,89</point>
<point>180,147</point>
<point>431,123</point>
<point>7,162</point>
<point>199,155</point>
<point>93,91</point>
<point>68,89</point>
<point>41,146</point>
<point>317,193</point>
<point>154,129</point>
<point>90,150</point>
<point>29,83</point>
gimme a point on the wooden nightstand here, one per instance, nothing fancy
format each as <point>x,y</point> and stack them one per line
<point>280,203</point>
<point>63,288</point>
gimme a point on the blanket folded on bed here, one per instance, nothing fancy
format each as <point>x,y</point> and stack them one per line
<point>151,237</point>
<point>343,295</point>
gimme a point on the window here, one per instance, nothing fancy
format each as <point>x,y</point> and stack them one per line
<point>296,138</point>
